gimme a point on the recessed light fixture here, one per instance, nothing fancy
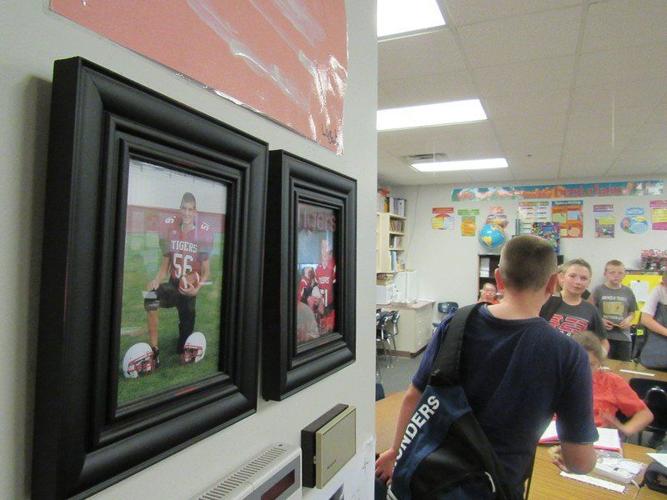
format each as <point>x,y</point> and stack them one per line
<point>451,166</point>
<point>430,115</point>
<point>395,16</point>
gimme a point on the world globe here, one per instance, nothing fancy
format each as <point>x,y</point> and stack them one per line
<point>491,236</point>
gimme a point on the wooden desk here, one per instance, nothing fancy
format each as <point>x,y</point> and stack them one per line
<point>386,416</point>
<point>546,482</point>
<point>616,366</point>
<point>414,326</point>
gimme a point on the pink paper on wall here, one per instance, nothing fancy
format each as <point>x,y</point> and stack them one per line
<point>286,59</point>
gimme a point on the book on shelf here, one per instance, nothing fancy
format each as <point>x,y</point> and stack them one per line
<point>390,204</point>
<point>396,225</point>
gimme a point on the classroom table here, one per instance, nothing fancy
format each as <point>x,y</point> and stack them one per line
<point>631,369</point>
<point>386,414</point>
<point>546,482</point>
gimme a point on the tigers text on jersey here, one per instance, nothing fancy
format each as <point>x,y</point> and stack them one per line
<point>187,249</point>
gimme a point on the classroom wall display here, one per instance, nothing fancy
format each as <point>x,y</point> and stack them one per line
<point>550,231</point>
<point>552,191</point>
<point>570,217</point>
<point>529,212</point>
<point>442,218</point>
<point>635,221</point>
<point>286,60</point>
<point>468,221</point>
<point>309,275</point>
<point>605,220</point>
<point>149,204</point>
<point>659,215</point>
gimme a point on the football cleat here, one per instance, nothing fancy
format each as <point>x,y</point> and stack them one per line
<point>156,356</point>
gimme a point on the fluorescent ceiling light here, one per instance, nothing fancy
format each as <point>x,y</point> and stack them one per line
<point>429,115</point>
<point>400,16</point>
<point>450,166</point>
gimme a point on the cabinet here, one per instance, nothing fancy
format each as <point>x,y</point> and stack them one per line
<point>414,326</point>
<point>389,243</point>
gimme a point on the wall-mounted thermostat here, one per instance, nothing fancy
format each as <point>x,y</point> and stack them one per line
<point>328,444</point>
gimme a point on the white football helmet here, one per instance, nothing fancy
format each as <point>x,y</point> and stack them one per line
<point>138,360</point>
<point>194,348</point>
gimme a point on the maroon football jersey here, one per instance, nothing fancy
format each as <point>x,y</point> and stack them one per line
<point>187,249</point>
<point>326,278</point>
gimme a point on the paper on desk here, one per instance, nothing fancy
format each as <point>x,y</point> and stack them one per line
<point>661,458</point>
<point>595,481</point>
<point>549,435</point>
<point>608,438</point>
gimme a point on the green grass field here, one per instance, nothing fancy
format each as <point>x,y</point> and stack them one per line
<point>142,257</point>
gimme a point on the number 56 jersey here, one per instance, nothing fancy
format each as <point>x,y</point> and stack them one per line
<point>186,249</point>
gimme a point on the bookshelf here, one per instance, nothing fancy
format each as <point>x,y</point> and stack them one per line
<point>488,263</point>
<point>389,243</point>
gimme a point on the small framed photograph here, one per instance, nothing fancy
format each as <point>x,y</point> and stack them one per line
<point>149,327</point>
<point>310,270</point>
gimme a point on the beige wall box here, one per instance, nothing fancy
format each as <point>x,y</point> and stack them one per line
<point>327,444</point>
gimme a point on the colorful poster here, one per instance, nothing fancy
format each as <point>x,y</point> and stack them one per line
<point>634,222</point>
<point>529,212</point>
<point>468,221</point>
<point>552,191</point>
<point>659,215</point>
<point>550,231</point>
<point>442,218</point>
<point>605,220</point>
<point>569,215</point>
<point>285,60</point>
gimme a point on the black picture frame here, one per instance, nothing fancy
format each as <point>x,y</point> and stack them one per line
<point>83,440</point>
<point>289,365</point>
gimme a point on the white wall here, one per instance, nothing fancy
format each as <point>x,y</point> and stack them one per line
<point>447,263</point>
<point>31,38</point>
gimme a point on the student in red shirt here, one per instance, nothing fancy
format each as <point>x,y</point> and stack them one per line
<point>611,393</point>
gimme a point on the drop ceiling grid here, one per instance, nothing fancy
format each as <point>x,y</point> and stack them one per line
<point>535,101</point>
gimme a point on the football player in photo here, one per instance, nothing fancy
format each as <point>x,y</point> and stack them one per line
<point>185,245</point>
<point>325,276</point>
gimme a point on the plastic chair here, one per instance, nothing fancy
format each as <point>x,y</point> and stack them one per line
<point>379,391</point>
<point>654,394</point>
<point>445,309</point>
<point>391,328</point>
<point>382,338</point>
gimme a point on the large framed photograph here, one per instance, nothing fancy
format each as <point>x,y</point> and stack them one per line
<point>310,270</point>
<point>151,280</point>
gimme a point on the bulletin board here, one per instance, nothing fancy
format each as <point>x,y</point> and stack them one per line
<point>284,59</point>
<point>641,285</point>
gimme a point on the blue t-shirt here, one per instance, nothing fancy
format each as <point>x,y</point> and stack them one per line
<point>516,375</point>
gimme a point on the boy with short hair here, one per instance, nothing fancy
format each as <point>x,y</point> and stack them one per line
<point>185,245</point>
<point>617,305</point>
<point>488,293</point>
<point>569,313</point>
<point>516,371</point>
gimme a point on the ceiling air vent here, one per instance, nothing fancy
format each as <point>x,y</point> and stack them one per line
<point>425,157</point>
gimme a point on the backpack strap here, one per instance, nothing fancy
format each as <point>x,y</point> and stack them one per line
<point>448,361</point>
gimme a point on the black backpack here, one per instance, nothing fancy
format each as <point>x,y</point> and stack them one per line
<point>444,453</point>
